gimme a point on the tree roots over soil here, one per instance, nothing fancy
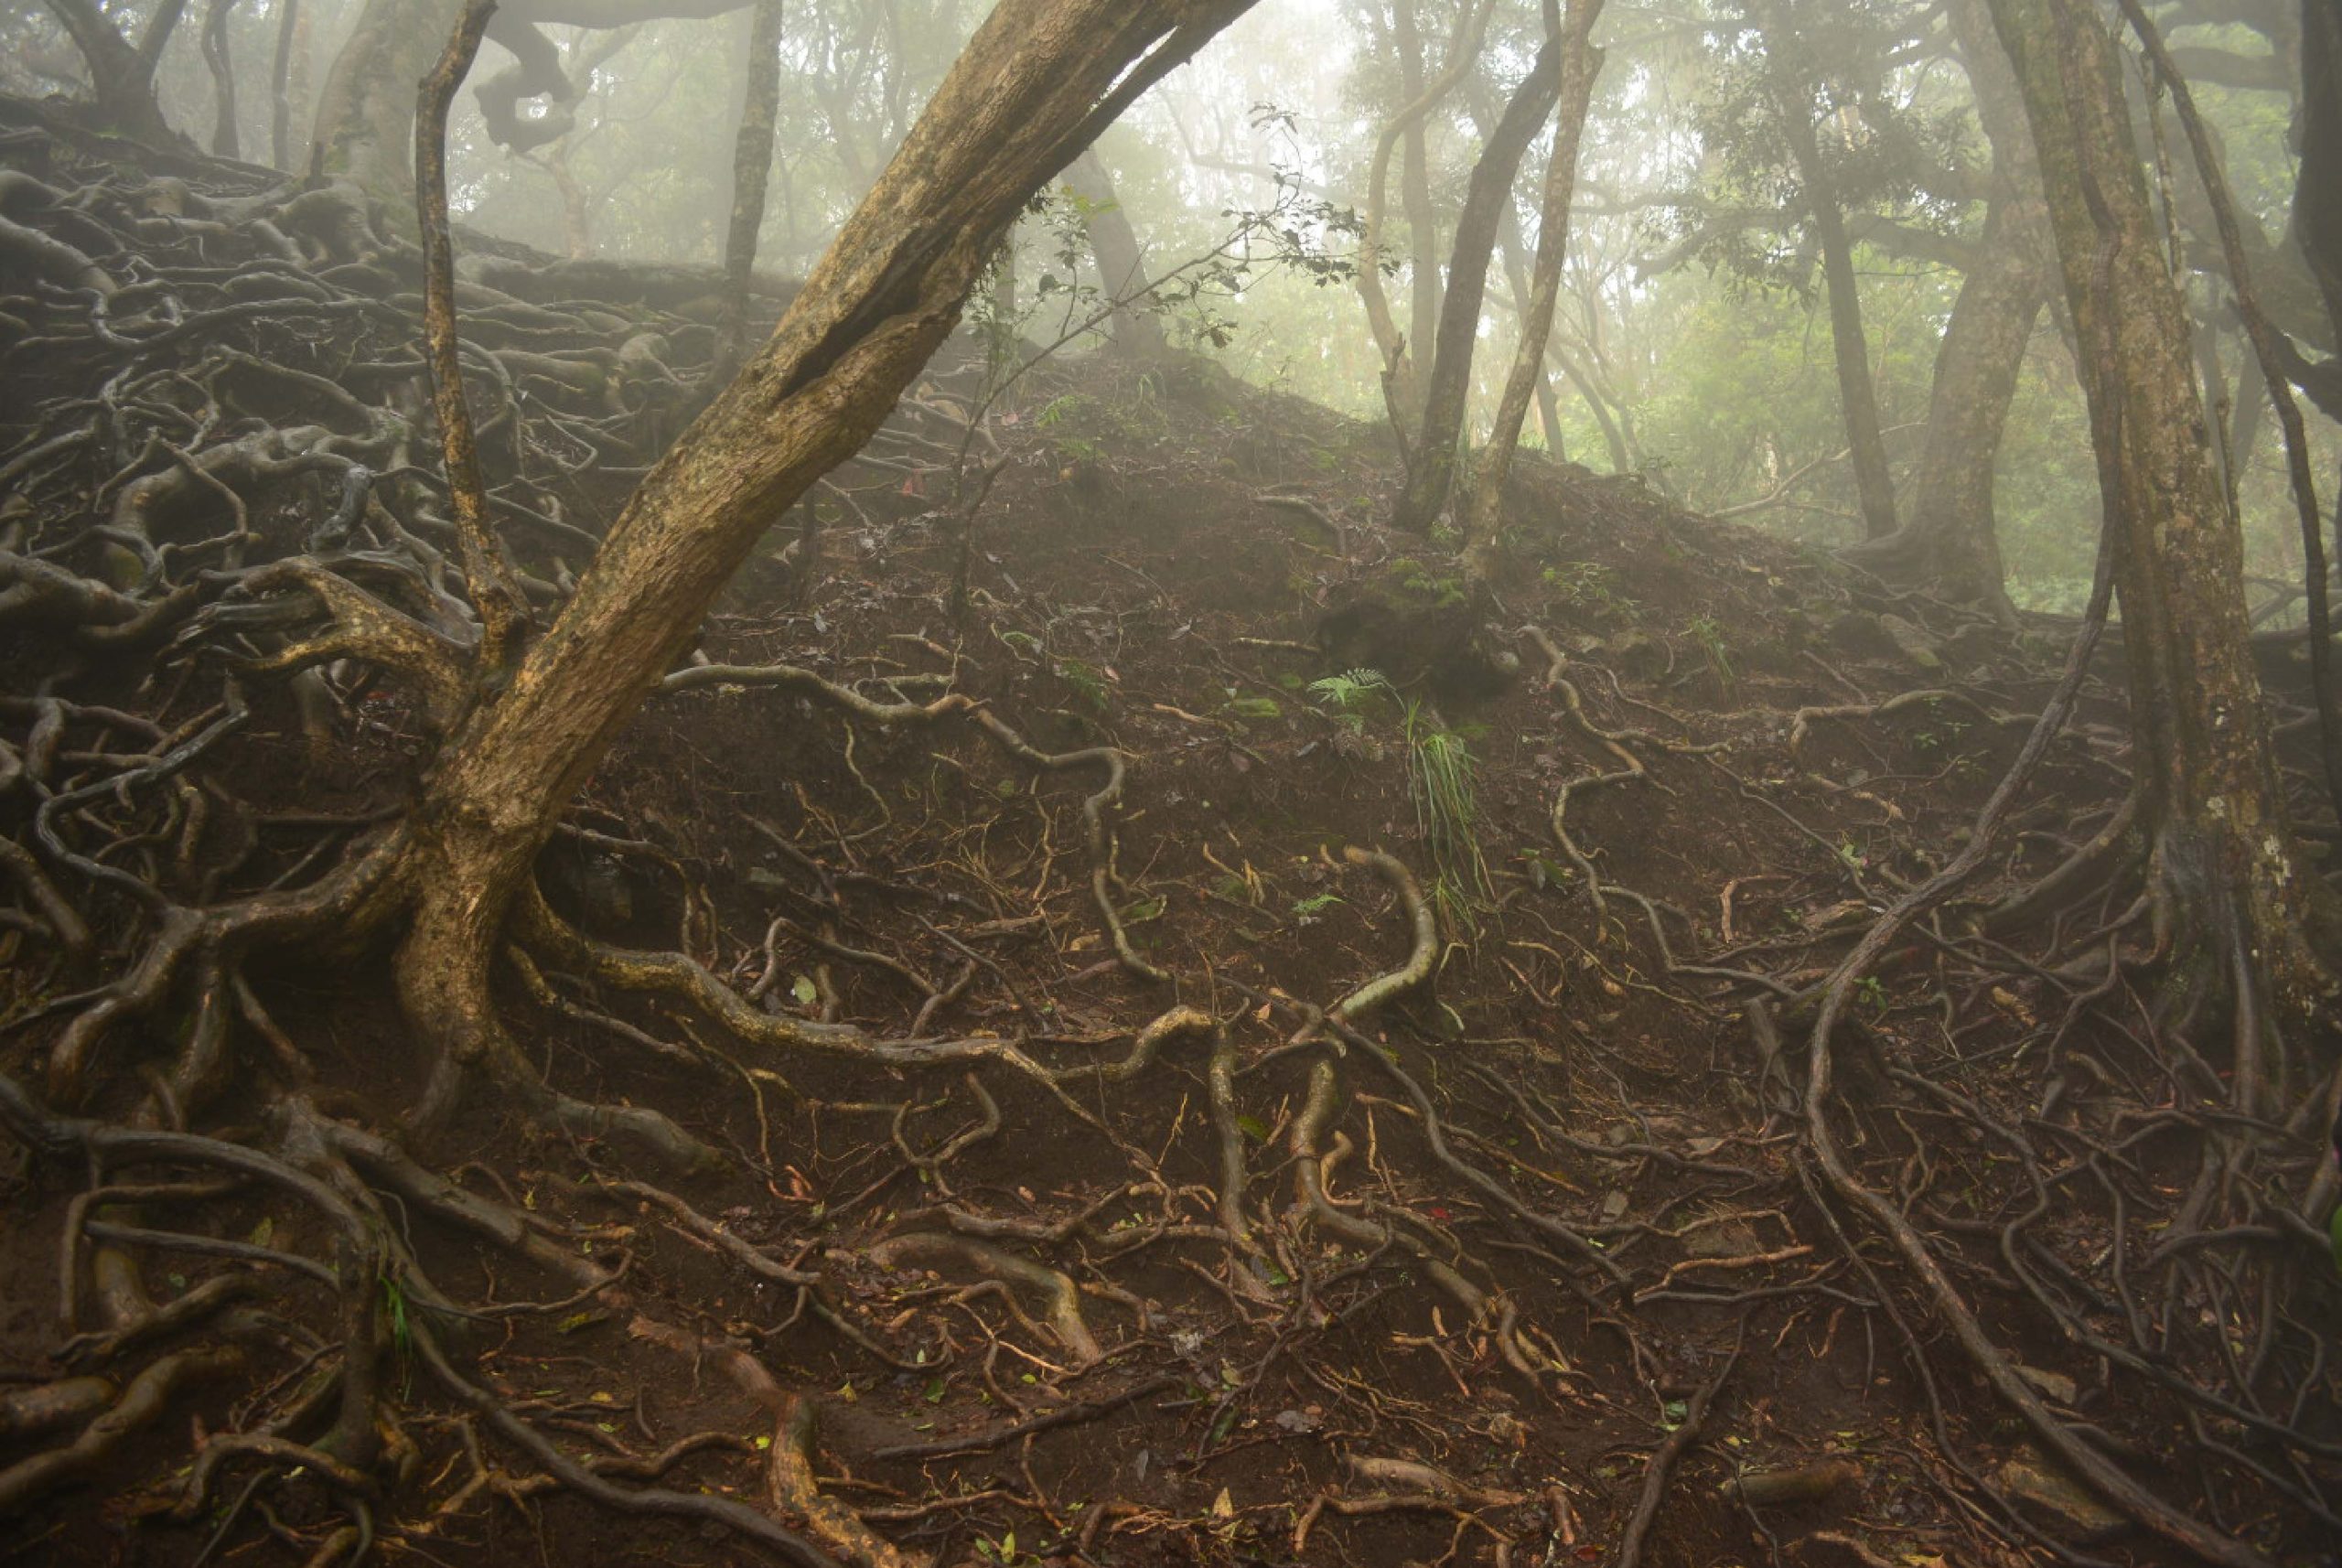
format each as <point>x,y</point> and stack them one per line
<point>1029,1086</point>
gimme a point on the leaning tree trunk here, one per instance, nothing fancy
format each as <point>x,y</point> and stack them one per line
<point>1431,471</point>
<point>1581,62</point>
<point>2246,917</point>
<point>1121,260</point>
<point>1037,83</point>
<point>1857,393</point>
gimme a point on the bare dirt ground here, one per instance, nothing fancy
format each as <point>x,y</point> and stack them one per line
<point>1326,1080</point>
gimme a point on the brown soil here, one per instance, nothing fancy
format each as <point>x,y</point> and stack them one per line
<point>1130,587</point>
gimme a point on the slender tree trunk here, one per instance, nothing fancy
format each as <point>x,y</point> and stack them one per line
<point>1873,481</point>
<point>1121,260</point>
<point>2246,917</point>
<point>1549,412</point>
<point>1415,183</point>
<point>289,34</point>
<point>1037,83</point>
<point>1581,63</point>
<point>1432,471</point>
<point>2317,185</point>
<point>752,153</point>
<point>1400,354</point>
<point>220,59</point>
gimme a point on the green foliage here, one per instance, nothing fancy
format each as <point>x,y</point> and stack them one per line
<point>1715,648</point>
<point>1590,587</point>
<point>1088,681</point>
<point>1419,582</point>
<point>1443,778</point>
<point>1354,695</point>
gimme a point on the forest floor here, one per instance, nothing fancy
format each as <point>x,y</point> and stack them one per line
<point>1474,1267</point>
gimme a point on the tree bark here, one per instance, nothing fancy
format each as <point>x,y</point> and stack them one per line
<point>1581,63</point>
<point>1948,542</point>
<point>1857,394</point>
<point>220,58</point>
<point>1122,261</point>
<point>1415,179</point>
<point>1431,471</point>
<point>366,108</point>
<point>1401,353</point>
<point>2246,918</point>
<point>1034,85</point>
<point>2317,185</point>
<point>289,33</point>
<point>122,74</point>
<point>752,154</point>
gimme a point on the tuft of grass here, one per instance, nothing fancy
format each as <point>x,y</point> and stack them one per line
<point>1709,635</point>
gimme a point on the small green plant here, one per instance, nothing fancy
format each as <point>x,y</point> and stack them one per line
<point>1087,679</point>
<point>1590,587</point>
<point>1309,908</point>
<point>1060,409</point>
<point>1416,579</point>
<point>1873,992</point>
<point>1709,635</point>
<point>1255,708</point>
<point>1005,1553</point>
<point>401,1328</point>
<point>1353,695</point>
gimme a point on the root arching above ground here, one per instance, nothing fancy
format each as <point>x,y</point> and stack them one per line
<point>1033,1072</point>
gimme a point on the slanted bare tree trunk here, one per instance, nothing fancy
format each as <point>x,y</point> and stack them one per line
<point>1858,396</point>
<point>1122,261</point>
<point>122,74</point>
<point>752,152</point>
<point>1037,83</point>
<point>1581,62</point>
<point>1431,470</point>
<point>2244,917</point>
<point>220,59</point>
